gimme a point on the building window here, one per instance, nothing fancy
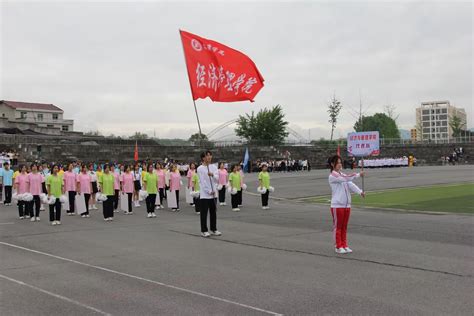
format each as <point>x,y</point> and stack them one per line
<point>437,111</point>
<point>426,112</point>
<point>23,115</point>
<point>3,114</point>
<point>444,123</point>
<point>50,126</point>
<point>55,116</point>
<point>65,128</point>
<point>443,129</point>
<point>444,111</point>
<point>40,117</point>
<point>426,124</point>
<point>426,130</point>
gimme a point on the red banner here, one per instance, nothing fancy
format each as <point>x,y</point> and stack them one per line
<point>219,72</point>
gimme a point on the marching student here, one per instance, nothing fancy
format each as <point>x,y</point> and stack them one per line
<point>208,178</point>
<point>161,182</point>
<point>239,192</point>
<point>175,184</point>
<point>223,179</point>
<point>21,187</point>
<point>137,180</point>
<point>126,181</point>
<point>84,187</point>
<point>341,186</point>
<point>150,184</point>
<point>189,176</point>
<point>70,185</point>
<point>235,185</point>
<point>35,180</point>
<point>264,182</point>
<point>195,187</point>
<point>7,175</point>
<point>45,172</point>
<point>95,187</point>
<point>55,187</point>
<point>106,182</point>
<point>116,175</point>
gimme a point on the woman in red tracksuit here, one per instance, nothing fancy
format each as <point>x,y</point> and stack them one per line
<point>341,186</point>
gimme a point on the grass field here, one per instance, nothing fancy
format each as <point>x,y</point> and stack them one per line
<point>457,198</point>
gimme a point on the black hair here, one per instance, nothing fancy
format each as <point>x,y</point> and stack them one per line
<point>333,161</point>
<point>6,163</point>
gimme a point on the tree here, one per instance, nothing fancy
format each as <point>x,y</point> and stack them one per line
<point>456,125</point>
<point>139,136</point>
<point>333,109</point>
<point>390,111</point>
<point>386,126</point>
<point>92,133</point>
<point>197,137</point>
<point>267,125</point>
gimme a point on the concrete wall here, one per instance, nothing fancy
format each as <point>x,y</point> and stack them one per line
<point>104,150</point>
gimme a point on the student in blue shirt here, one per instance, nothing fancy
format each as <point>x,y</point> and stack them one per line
<point>7,174</point>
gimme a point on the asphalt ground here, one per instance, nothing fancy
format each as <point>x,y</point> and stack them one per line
<point>277,261</point>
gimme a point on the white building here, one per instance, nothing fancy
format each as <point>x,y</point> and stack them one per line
<point>35,116</point>
<point>432,119</point>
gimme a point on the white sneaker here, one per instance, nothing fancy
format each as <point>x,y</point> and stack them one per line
<point>42,208</point>
<point>22,217</point>
<point>83,216</point>
<point>153,215</point>
<point>221,204</point>
<point>236,209</point>
<point>111,219</point>
<point>87,215</point>
<point>340,250</point>
<point>130,213</point>
<point>125,212</point>
<point>216,233</point>
<point>205,234</point>
<point>38,219</point>
<point>106,219</point>
<point>116,211</point>
<point>348,250</point>
<point>58,223</point>
<point>149,215</point>
<point>224,204</point>
<point>198,213</point>
<point>53,223</point>
<point>264,207</point>
<point>32,219</point>
<point>162,207</point>
<point>27,216</point>
<point>177,210</point>
<point>94,207</point>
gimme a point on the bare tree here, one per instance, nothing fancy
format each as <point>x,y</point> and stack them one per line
<point>333,109</point>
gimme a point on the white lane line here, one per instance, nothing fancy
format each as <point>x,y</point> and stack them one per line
<point>7,223</point>
<point>55,295</point>
<point>143,279</point>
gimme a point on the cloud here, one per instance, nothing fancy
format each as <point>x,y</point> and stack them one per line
<point>119,66</point>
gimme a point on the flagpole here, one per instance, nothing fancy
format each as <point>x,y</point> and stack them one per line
<point>191,87</point>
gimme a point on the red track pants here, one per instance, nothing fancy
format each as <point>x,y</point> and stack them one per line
<point>340,219</point>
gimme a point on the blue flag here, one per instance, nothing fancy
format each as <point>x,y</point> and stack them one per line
<point>246,159</point>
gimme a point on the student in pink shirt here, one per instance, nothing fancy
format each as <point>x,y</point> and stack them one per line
<point>22,186</point>
<point>223,179</point>
<point>116,187</point>
<point>84,186</point>
<point>126,180</point>
<point>35,180</point>
<point>191,172</point>
<point>161,182</point>
<point>175,184</point>
<point>70,187</point>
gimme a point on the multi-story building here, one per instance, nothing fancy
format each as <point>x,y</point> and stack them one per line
<point>432,120</point>
<point>34,116</point>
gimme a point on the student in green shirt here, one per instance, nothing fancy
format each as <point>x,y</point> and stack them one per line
<point>150,184</point>
<point>195,187</point>
<point>235,183</point>
<point>264,182</point>
<point>55,188</point>
<point>106,182</point>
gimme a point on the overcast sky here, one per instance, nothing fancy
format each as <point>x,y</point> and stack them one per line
<point>118,66</point>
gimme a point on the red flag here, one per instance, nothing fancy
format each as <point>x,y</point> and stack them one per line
<point>219,72</point>
<point>135,156</point>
